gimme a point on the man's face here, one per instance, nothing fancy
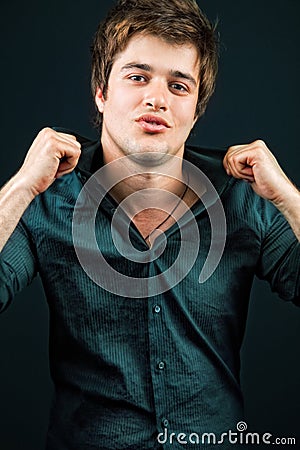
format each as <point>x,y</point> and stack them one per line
<point>151,99</point>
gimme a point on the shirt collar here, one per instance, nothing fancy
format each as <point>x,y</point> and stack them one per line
<point>208,160</point>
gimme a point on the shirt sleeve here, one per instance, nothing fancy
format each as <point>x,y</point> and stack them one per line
<point>18,265</point>
<point>279,261</point>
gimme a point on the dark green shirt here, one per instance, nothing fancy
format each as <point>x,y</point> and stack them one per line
<point>126,369</point>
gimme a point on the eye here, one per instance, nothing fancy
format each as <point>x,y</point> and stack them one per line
<point>137,78</point>
<point>179,87</point>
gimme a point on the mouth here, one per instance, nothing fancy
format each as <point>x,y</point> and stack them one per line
<point>152,124</point>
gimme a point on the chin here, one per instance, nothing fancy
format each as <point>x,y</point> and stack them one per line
<point>147,153</point>
<point>150,159</point>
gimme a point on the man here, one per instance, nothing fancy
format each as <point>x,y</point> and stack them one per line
<point>133,360</point>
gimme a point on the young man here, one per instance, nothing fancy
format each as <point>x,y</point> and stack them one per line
<point>144,348</point>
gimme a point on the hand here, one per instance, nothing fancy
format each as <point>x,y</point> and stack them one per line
<point>255,164</point>
<point>51,155</point>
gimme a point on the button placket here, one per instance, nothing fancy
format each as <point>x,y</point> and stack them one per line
<point>158,363</point>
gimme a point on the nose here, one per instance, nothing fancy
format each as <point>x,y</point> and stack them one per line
<point>156,97</point>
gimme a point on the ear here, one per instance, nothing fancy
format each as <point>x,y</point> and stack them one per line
<point>194,121</point>
<point>196,117</point>
<point>99,100</point>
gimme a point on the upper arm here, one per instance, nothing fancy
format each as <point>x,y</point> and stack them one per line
<point>17,265</point>
<point>279,261</point>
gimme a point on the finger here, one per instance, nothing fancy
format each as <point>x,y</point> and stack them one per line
<point>241,158</point>
<point>235,148</point>
<point>239,170</point>
<point>67,149</point>
<point>50,142</point>
<point>67,166</point>
<point>47,134</point>
<point>69,163</point>
<point>69,138</point>
<point>71,157</point>
<point>61,173</point>
<point>232,170</point>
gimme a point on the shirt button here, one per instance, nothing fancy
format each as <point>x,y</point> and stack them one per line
<point>161,365</point>
<point>165,423</point>
<point>156,309</point>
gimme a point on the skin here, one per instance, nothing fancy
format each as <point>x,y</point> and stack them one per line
<point>140,91</point>
<point>255,164</point>
<point>142,83</point>
<point>153,89</point>
<point>166,89</point>
<point>50,156</point>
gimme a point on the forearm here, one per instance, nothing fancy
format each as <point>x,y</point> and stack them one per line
<point>51,155</point>
<point>289,206</point>
<point>14,199</point>
<point>256,164</point>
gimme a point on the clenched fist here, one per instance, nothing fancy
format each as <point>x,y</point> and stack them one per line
<point>51,155</point>
<point>256,164</point>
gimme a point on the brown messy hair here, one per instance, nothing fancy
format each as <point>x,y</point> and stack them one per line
<point>175,21</point>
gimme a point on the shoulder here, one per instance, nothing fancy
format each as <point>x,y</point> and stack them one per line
<point>209,161</point>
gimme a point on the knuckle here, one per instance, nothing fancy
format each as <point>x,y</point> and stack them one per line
<point>46,132</point>
<point>50,141</point>
<point>77,151</point>
<point>260,143</point>
<point>49,138</point>
<point>233,147</point>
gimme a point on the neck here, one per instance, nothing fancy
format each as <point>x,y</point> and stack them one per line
<point>153,189</point>
<point>148,173</point>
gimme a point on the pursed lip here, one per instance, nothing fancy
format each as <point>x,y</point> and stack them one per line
<point>154,121</point>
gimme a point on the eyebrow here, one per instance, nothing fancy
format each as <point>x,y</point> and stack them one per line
<point>173,73</point>
<point>185,76</point>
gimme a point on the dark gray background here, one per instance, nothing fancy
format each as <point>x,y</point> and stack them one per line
<point>45,81</point>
